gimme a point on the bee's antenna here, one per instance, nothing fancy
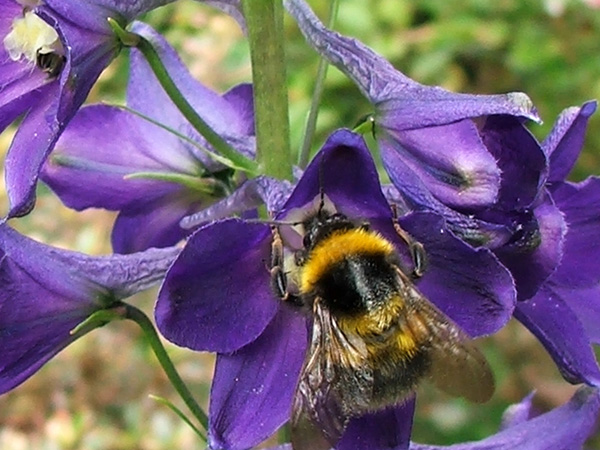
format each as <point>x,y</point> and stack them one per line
<point>321,187</point>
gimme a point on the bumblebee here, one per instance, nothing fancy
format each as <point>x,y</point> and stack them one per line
<point>374,335</point>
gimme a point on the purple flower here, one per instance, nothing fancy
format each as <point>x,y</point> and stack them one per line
<point>543,229</point>
<point>151,175</point>
<point>217,297</point>
<point>428,128</point>
<point>52,53</point>
<point>564,313</point>
<point>566,427</point>
<point>47,293</point>
<point>493,183</point>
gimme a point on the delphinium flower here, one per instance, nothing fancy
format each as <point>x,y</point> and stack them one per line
<point>565,427</point>
<point>48,293</point>
<point>153,172</point>
<point>471,159</point>
<point>430,127</point>
<point>220,284</point>
<point>53,51</point>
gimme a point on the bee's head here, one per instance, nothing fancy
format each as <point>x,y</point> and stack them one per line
<point>321,225</point>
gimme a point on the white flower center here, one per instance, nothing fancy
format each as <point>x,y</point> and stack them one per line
<point>29,37</point>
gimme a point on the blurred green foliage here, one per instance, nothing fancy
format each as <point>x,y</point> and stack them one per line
<point>474,46</point>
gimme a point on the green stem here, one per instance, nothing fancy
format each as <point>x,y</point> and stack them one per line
<point>311,121</point>
<point>167,83</point>
<point>145,324</point>
<point>264,19</point>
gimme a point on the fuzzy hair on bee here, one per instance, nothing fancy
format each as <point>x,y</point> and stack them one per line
<point>375,337</point>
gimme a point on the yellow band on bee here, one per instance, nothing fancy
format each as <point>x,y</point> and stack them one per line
<point>338,246</point>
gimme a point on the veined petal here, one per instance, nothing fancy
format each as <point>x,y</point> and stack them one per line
<point>47,292</point>
<point>551,320</point>
<point>252,388</point>
<point>565,141</point>
<point>401,102</point>
<point>221,275</point>
<point>565,427</point>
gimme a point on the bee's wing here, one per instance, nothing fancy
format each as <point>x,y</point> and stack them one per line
<point>332,381</point>
<point>457,366</point>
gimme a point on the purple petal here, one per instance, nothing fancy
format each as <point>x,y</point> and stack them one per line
<point>32,142</point>
<point>566,427</point>
<point>536,249</point>
<point>229,115</point>
<point>553,322</point>
<point>252,389</point>
<point>241,99</point>
<point>87,170</point>
<point>401,102</point>
<point>518,413</point>
<point>88,52</point>
<point>585,303</point>
<point>46,292</point>
<point>520,158</point>
<point>347,174</point>
<point>418,197</point>
<point>21,84</point>
<point>384,430</point>
<point>565,141</point>
<point>467,284</point>
<point>220,276</point>
<point>451,161</point>
<point>580,204</point>
<point>251,194</point>
<point>231,7</point>
<point>87,13</point>
<point>152,224</point>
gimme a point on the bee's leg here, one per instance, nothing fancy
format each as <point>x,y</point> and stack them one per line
<point>417,251</point>
<point>279,283</point>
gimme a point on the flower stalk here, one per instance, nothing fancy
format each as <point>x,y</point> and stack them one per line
<point>136,315</point>
<point>265,36</point>
<point>165,80</point>
<point>313,114</point>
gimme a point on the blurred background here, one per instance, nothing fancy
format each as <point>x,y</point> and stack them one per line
<point>94,395</point>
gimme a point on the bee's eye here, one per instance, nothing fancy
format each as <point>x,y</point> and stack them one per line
<point>307,240</point>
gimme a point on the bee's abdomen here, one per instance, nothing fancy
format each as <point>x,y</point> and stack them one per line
<point>396,374</point>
